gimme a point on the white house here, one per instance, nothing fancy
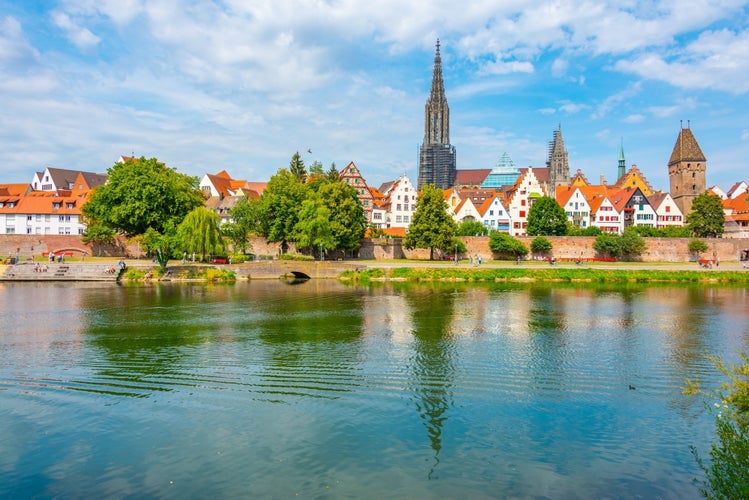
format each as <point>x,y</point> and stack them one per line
<point>667,212</point>
<point>495,216</point>
<point>526,190</point>
<point>400,201</point>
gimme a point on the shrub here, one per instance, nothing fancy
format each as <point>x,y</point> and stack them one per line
<point>506,245</point>
<point>698,246</point>
<point>727,472</point>
<point>540,245</point>
<point>294,256</point>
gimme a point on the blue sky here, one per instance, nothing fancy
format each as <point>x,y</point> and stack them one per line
<point>241,85</point>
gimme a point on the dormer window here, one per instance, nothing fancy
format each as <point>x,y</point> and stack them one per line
<point>69,205</point>
<point>56,204</point>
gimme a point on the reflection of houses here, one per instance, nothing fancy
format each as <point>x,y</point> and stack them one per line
<point>223,193</point>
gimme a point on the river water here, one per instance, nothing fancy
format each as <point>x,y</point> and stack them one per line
<point>322,390</point>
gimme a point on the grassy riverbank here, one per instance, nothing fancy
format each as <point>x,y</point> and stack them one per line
<point>623,275</point>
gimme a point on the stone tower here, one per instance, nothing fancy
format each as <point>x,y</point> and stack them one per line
<point>686,170</point>
<point>437,163</point>
<point>558,165</point>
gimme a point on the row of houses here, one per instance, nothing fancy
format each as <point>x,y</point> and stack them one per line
<point>51,203</point>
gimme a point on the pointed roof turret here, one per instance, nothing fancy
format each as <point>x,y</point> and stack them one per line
<point>686,148</point>
<point>622,163</point>
<point>437,94</point>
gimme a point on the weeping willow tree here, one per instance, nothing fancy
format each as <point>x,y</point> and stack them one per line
<point>199,233</point>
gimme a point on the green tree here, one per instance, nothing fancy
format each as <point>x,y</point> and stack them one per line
<point>631,244</point>
<point>159,245</point>
<point>296,167</point>
<point>313,231</point>
<point>244,223</point>
<point>707,219</point>
<point>608,245</point>
<point>200,233</point>
<point>99,235</point>
<point>506,245</point>
<point>727,472</point>
<point>141,194</point>
<point>347,220</point>
<point>472,228</point>
<point>540,245</point>
<point>278,207</point>
<point>546,218</point>
<point>333,174</point>
<point>431,226</point>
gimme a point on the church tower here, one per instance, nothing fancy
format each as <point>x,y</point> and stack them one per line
<point>558,165</point>
<point>686,170</point>
<point>622,169</point>
<point>437,163</point>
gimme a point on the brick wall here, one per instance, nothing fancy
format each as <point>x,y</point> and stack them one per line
<point>658,249</point>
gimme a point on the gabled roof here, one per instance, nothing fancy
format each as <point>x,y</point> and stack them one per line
<point>64,179</point>
<point>686,148</point>
<point>541,173</point>
<point>471,177</point>
<point>488,204</point>
<point>14,189</point>
<point>657,198</point>
<point>634,178</point>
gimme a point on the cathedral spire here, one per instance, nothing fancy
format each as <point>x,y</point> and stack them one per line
<point>437,93</point>
<point>437,112</point>
<point>436,155</point>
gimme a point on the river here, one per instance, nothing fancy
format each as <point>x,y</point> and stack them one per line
<point>325,390</point>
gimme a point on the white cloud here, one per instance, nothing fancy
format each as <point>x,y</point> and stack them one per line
<point>14,48</point>
<point>615,99</point>
<point>716,60</point>
<point>635,118</point>
<point>80,37</point>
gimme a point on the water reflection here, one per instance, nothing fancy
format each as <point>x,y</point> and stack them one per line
<point>269,390</point>
<point>432,365</point>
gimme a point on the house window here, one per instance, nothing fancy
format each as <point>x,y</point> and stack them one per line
<point>398,207</point>
<point>522,213</point>
<point>399,218</point>
<point>29,218</point>
<point>522,202</point>
<point>10,230</point>
<point>365,203</point>
<point>405,207</point>
<point>69,205</point>
<point>56,204</point>
<point>405,219</point>
<point>668,209</point>
<point>28,230</point>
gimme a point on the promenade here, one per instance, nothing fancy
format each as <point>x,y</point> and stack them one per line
<point>107,270</point>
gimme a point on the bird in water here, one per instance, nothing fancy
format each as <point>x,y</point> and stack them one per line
<point>631,387</point>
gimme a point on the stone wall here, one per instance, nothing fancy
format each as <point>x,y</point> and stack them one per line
<point>658,249</point>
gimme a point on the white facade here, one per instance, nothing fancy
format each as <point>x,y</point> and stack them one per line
<point>667,213</point>
<point>402,202</point>
<point>466,211</point>
<point>577,209</point>
<point>607,218</point>
<point>495,216</point>
<point>527,189</point>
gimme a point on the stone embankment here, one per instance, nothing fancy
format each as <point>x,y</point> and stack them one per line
<point>59,271</point>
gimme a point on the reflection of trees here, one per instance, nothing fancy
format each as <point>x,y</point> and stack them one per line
<point>433,367</point>
<point>311,335</point>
